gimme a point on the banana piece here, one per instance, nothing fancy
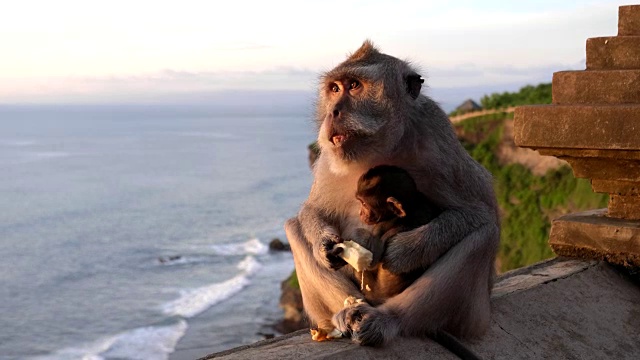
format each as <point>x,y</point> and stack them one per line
<point>323,335</point>
<point>356,255</point>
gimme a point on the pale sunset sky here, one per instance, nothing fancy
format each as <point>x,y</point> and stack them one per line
<point>126,51</point>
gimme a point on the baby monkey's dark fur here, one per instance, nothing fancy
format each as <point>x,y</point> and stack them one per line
<point>390,201</point>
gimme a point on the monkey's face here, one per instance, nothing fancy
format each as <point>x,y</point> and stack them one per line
<point>362,104</point>
<point>369,214</point>
<point>351,115</point>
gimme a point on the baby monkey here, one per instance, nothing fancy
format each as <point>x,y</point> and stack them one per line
<point>390,201</point>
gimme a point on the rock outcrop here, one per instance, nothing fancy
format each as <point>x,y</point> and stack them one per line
<point>291,303</point>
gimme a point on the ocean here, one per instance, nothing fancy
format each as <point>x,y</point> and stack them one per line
<point>141,232</point>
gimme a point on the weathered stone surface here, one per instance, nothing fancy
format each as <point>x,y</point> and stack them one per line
<point>593,234</point>
<point>537,274</point>
<point>558,309</point>
<point>613,53</point>
<point>596,87</point>
<point>299,345</point>
<point>578,126</point>
<point>616,187</point>
<point>629,20</point>
<point>586,315</point>
<point>604,168</point>
<point>624,206</point>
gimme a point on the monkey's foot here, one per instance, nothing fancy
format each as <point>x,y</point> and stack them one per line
<point>367,325</point>
<point>375,328</point>
<point>323,335</point>
<point>347,319</point>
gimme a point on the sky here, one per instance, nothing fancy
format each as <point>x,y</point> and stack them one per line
<point>69,51</point>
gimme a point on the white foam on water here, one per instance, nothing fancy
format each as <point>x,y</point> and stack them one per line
<point>89,351</point>
<point>249,265</point>
<point>195,301</point>
<point>145,343</point>
<point>252,246</point>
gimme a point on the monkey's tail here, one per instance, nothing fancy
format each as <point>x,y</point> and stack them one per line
<point>454,345</point>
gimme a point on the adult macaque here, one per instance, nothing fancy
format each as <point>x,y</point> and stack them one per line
<point>370,112</point>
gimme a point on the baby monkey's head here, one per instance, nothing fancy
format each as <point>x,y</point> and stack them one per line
<point>385,193</point>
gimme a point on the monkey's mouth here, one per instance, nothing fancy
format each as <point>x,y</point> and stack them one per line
<point>337,139</point>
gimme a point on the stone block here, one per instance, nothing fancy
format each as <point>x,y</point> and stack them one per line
<point>604,127</point>
<point>616,187</point>
<point>624,206</point>
<point>591,234</point>
<point>592,153</point>
<point>603,168</point>
<point>596,87</point>
<point>613,53</point>
<point>629,20</point>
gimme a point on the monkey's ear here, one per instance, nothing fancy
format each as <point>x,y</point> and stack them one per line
<point>396,207</point>
<point>414,84</point>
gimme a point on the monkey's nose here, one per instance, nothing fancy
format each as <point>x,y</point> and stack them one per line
<point>337,110</point>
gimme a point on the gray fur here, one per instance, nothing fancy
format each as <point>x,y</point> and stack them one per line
<point>386,125</point>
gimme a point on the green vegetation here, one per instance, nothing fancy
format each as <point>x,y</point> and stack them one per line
<point>527,202</point>
<point>540,94</point>
<point>314,147</point>
<point>292,280</point>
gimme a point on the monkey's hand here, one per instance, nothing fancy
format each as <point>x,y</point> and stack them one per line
<point>328,253</point>
<point>405,251</point>
<point>421,247</point>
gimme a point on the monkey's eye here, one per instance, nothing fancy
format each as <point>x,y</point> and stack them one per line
<point>335,88</point>
<point>354,84</point>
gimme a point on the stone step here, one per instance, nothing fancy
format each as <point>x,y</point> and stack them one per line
<point>596,87</point>
<point>613,53</point>
<point>605,169</point>
<point>617,187</point>
<point>629,20</point>
<point>615,127</point>
<point>594,234</point>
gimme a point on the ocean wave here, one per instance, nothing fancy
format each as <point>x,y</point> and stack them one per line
<point>195,301</point>
<point>252,247</point>
<point>152,342</point>
<point>249,265</point>
<point>145,343</point>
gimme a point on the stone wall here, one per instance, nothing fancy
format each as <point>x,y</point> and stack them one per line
<point>594,124</point>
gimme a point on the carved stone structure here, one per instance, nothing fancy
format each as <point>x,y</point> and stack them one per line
<point>594,124</point>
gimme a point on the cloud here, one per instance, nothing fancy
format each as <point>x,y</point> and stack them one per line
<point>189,86</point>
<point>161,85</point>
<point>468,75</point>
